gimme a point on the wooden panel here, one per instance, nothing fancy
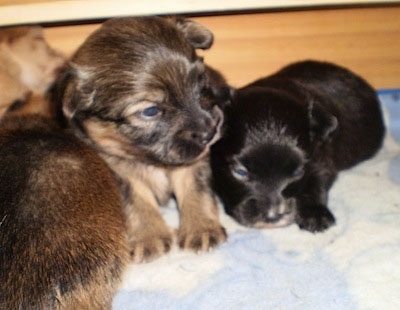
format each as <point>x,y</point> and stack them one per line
<point>248,46</point>
<point>14,12</point>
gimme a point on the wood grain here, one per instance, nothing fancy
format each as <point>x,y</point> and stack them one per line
<point>248,46</point>
<point>15,12</point>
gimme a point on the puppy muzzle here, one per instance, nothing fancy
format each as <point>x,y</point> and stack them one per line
<point>207,133</point>
<point>260,214</point>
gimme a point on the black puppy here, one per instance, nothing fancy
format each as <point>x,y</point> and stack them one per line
<point>286,138</point>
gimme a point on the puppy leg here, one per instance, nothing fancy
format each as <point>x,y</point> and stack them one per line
<point>148,234</point>
<point>199,227</point>
<point>312,211</point>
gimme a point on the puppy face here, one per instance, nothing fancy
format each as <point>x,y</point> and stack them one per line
<point>147,97</point>
<point>259,159</point>
<point>287,137</point>
<point>253,180</point>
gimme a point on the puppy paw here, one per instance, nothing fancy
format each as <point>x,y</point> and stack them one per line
<point>315,219</point>
<point>201,236</point>
<point>150,246</point>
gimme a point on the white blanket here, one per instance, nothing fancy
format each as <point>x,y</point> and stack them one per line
<point>353,265</point>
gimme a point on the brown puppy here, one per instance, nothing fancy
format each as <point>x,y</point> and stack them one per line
<point>27,64</point>
<point>62,238</point>
<point>137,92</point>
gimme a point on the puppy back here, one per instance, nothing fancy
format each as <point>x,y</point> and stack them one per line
<point>61,220</point>
<point>344,113</point>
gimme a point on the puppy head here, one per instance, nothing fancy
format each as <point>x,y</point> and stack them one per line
<point>38,63</point>
<point>259,157</point>
<point>137,89</point>
<point>251,182</point>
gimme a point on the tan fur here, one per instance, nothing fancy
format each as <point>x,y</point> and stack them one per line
<point>152,186</point>
<point>27,64</point>
<point>199,228</point>
<point>107,137</point>
<point>39,63</point>
<point>11,88</point>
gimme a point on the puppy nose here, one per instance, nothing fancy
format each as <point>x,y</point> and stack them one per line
<point>272,216</point>
<point>277,211</point>
<point>203,137</point>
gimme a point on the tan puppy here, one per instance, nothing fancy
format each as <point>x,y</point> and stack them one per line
<point>137,92</point>
<point>27,64</point>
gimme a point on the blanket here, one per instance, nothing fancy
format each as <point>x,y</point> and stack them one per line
<point>353,265</point>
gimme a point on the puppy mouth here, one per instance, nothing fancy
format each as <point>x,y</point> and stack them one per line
<point>215,135</point>
<point>211,138</point>
<point>252,215</point>
<point>207,146</point>
<point>281,221</point>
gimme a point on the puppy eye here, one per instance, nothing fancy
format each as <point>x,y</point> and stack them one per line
<point>202,78</point>
<point>151,112</point>
<point>240,172</point>
<point>207,92</point>
<point>298,172</point>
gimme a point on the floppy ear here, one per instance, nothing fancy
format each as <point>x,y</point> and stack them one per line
<point>219,87</point>
<point>198,35</point>
<point>61,92</point>
<point>322,124</point>
<point>69,94</point>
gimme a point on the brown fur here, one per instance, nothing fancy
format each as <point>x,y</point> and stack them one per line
<point>149,105</point>
<point>62,238</point>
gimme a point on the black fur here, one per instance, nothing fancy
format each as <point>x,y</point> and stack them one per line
<point>286,138</point>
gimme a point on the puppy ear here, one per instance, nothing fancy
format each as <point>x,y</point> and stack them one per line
<point>69,94</point>
<point>61,92</point>
<point>221,90</point>
<point>198,35</point>
<point>322,124</point>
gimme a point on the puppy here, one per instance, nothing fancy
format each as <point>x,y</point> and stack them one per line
<point>137,92</point>
<point>27,65</point>
<point>286,138</point>
<point>62,238</point>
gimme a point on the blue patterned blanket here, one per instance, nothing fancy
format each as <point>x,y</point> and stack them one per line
<point>353,265</point>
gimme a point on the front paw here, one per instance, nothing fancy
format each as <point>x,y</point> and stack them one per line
<point>314,218</point>
<point>148,245</point>
<point>202,235</point>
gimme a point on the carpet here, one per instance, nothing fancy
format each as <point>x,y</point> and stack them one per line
<point>353,265</point>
